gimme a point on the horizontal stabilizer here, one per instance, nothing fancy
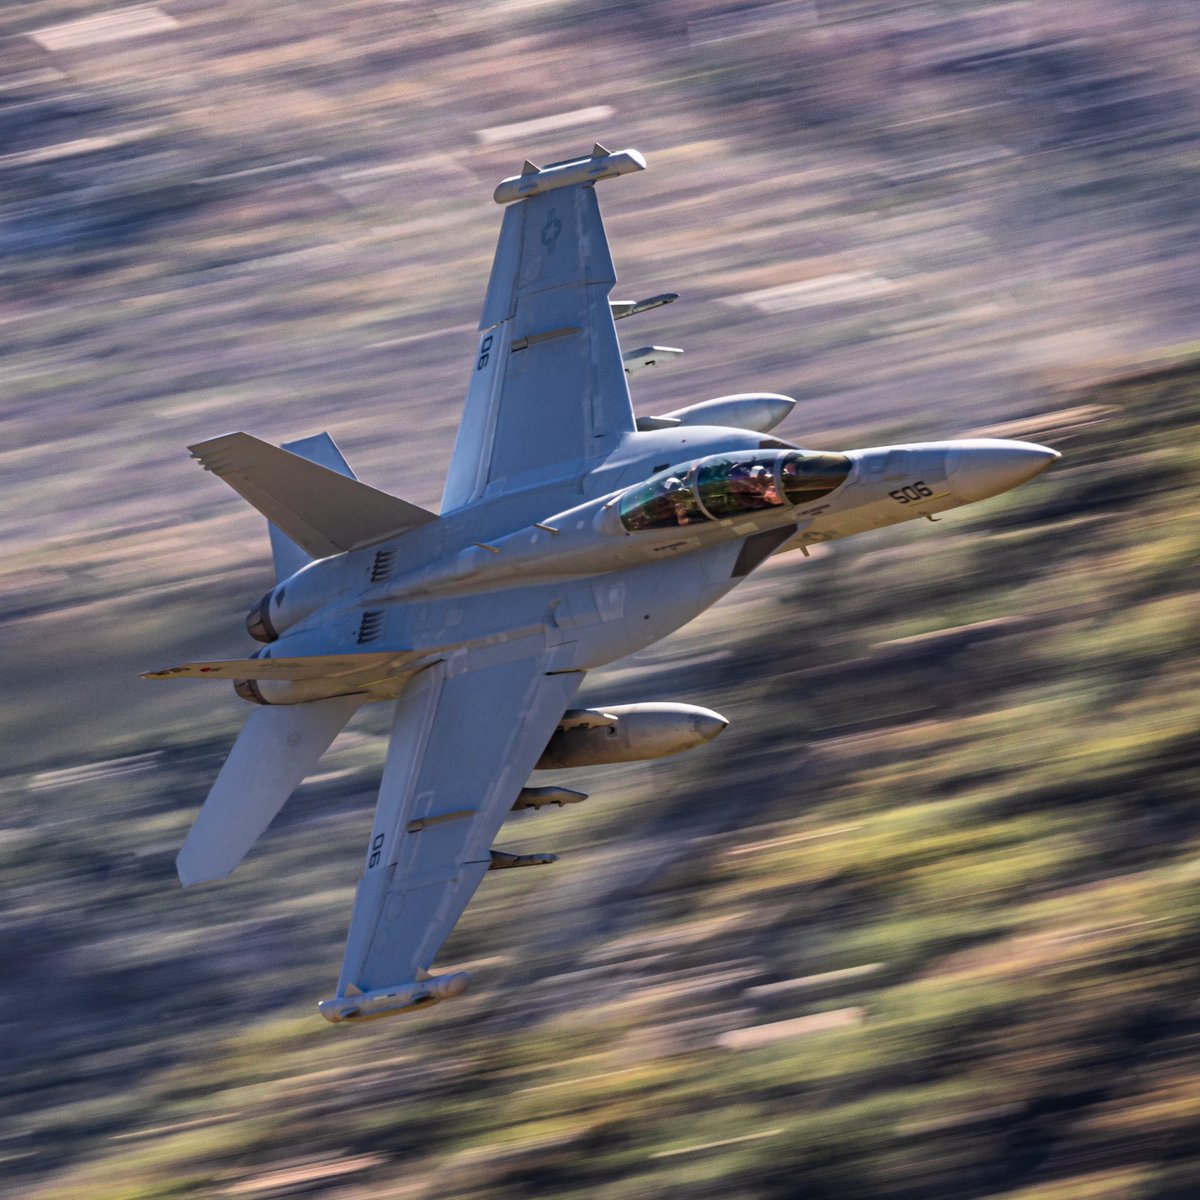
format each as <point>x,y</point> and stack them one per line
<point>321,510</point>
<point>315,666</point>
<point>276,749</point>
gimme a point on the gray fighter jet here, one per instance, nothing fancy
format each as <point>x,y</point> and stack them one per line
<point>571,534</point>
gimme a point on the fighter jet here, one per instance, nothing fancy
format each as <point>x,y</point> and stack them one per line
<point>571,534</point>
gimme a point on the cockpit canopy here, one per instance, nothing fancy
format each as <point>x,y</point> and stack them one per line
<point>729,485</point>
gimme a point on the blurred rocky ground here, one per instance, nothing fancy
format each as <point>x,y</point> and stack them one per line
<point>277,217</point>
<point>962,754</point>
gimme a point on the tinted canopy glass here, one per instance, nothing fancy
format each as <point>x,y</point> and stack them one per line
<point>729,485</point>
<point>664,500</point>
<point>808,475</point>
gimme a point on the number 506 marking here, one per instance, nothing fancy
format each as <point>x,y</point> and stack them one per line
<point>914,491</point>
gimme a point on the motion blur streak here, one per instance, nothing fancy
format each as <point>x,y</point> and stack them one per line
<point>249,221</point>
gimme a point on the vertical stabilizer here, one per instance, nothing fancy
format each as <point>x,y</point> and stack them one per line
<point>322,450</point>
<point>277,748</point>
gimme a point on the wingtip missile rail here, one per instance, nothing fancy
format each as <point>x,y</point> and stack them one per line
<point>386,1002</point>
<point>600,164</point>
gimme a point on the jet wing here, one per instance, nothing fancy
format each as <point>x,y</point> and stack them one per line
<point>465,737</point>
<point>547,392</point>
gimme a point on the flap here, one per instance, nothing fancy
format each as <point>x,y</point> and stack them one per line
<point>314,666</point>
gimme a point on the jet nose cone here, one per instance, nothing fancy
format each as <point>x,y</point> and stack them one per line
<point>708,724</point>
<point>982,467</point>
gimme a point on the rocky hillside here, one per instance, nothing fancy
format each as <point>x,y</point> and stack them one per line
<point>922,922</point>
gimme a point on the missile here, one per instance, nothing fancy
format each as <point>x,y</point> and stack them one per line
<point>542,797</point>
<point>648,356</point>
<point>629,733</point>
<point>630,308</point>
<point>502,860</point>
<point>384,1002</point>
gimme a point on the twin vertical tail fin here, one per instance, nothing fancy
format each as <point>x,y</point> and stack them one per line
<point>315,507</point>
<point>277,748</point>
<point>309,494</point>
<point>322,450</point>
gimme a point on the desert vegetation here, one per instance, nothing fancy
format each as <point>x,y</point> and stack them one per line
<point>923,921</point>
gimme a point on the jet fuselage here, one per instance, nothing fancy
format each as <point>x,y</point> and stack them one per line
<point>591,539</point>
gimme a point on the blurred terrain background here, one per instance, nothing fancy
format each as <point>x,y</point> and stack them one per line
<point>924,922</point>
